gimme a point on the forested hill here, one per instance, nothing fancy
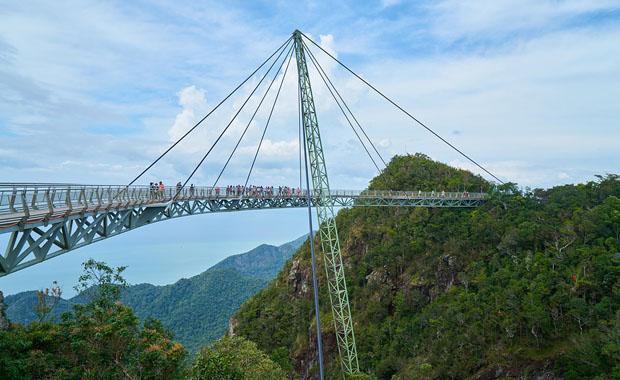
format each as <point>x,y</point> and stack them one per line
<point>196,309</point>
<point>525,286</point>
<point>263,261</point>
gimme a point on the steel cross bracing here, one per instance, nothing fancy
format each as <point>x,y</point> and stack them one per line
<point>328,231</point>
<point>44,221</point>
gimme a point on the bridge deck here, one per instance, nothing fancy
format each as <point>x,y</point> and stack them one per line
<point>44,221</point>
<point>28,205</point>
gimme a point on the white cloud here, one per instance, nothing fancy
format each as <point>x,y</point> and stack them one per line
<point>327,43</point>
<point>526,173</point>
<point>274,149</point>
<point>548,100</point>
<point>454,19</point>
<point>280,149</point>
<point>194,104</point>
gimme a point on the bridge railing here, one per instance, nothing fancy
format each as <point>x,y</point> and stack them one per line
<point>419,194</point>
<point>20,202</point>
<point>47,198</point>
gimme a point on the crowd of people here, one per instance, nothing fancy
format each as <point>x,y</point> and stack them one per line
<point>262,191</point>
<point>464,194</point>
<point>158,191</point>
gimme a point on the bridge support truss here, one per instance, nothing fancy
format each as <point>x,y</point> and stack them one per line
<point>328,232</point>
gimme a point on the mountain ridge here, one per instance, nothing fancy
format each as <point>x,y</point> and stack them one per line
<point>213,294</point>
<point>525,286</point>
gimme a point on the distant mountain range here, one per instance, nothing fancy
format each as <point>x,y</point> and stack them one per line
<point>196,309</point>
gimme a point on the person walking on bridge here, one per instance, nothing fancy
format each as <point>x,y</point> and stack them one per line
<point>161,190</point>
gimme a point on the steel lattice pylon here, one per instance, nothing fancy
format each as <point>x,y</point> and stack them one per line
<point>328,232</point>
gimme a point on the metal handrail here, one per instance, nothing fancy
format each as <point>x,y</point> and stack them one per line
<point>49,197</point>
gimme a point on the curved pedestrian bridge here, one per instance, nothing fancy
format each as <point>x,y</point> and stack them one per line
<point>46,220</point>
<point>27,205</point>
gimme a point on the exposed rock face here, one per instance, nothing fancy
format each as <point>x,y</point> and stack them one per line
<point>307,361</point>
<point>377,277</point>
<point>4,322</point>
<point>299,278</point>
<point>232,324</point>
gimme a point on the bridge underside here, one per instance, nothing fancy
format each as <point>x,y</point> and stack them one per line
<point>39,235</point>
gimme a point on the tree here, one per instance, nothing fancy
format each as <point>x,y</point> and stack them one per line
<point>47,300</point>
<point>106,335</point>
<point>101,284</point>
<point>102,339</point>
<point>234,358</point>
<point>4,322</point>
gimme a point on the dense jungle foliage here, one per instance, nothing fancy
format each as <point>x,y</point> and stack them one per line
<point>234,358</point>
<point>214,296</point>
<point>524,286</point>
<point>103,339</point>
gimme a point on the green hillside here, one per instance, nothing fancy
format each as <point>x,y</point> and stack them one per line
<point>21,307</point>
<point>263,261</point>
<point>527,285</point>
<point>196,310</point>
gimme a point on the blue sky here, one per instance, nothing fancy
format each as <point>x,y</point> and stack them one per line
<point>91,91</point>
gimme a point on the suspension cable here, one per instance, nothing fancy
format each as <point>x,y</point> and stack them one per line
<point>275,101</point>
<point>210,112</point>
<point>227,126</point>
<point>344,113</point>
<point>252,118</point>
<point>404,111</point>
<point>320,68</point>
